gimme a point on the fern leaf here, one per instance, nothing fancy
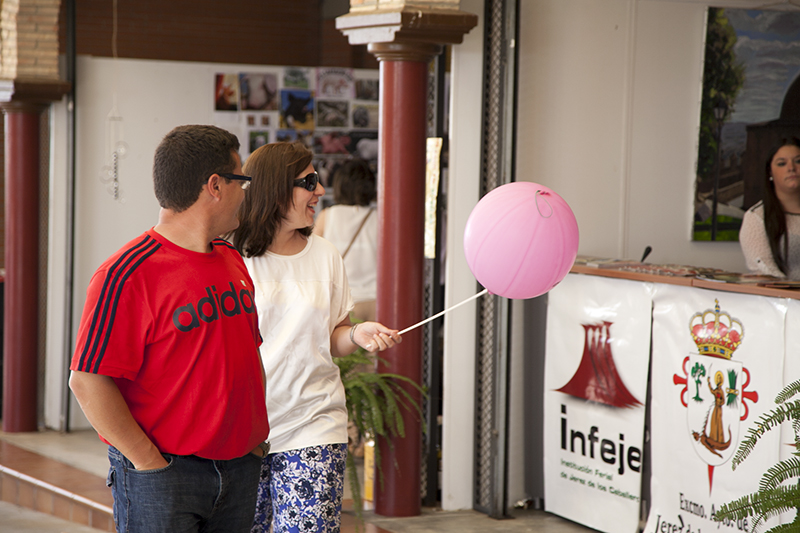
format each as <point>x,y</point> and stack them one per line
<point>761,505</point>
<point>774,496</point>
<point>355,487</point>
<point>786,528</point>
<point>796,431</point>
<point>766,422</point>
<point>788,391</point>
<point>773,502</point>
<point>392,411</point>
<point>779,473</point>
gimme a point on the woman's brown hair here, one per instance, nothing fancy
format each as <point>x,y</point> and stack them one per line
<point>273,167</point>
<point>774,215</point>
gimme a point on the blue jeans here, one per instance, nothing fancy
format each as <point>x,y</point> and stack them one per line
<point>190,494</point>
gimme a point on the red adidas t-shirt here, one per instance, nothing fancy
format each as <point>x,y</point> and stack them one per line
<point>178,332</point>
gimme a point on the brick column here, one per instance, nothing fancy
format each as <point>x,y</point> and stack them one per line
<point>29,37</point>
<point>28,84</point>
<point>404,40</point>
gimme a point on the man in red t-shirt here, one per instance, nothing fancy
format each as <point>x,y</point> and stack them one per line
<point>166,366</point>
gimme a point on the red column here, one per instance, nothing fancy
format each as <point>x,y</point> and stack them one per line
<point>404,39</point>
<point>20,343</point>
<point>401,200</point>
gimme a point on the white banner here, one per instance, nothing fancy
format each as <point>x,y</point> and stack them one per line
<point>596,364</point>
<point>791,373</point>
<point>717,365</point>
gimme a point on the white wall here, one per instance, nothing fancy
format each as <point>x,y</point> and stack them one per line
<point>665,121</point>
<point>458,405</point>
<point>56,360</point>
<point>152,97</point>
<point>609,107</point>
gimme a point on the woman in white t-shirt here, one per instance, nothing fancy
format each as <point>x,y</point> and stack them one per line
<point>770,232</point>
<point>303,302</point>
<point>351,224</point>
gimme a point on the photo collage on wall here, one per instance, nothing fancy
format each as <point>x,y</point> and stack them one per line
<point>334,111</point>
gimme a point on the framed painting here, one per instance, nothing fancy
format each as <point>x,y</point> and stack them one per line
<point>750,100</point>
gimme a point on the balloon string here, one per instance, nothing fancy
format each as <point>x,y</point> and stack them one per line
<point>437,315</point>
<point>539,192</point>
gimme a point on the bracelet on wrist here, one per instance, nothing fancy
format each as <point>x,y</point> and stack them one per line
<point>352,333</point>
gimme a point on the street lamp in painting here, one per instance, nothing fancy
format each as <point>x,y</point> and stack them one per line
<point>720,111</point>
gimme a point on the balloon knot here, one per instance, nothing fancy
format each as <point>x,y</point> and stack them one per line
<point>540,192</point>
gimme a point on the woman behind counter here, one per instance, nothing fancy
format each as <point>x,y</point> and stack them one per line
<point>770,232</point>
<point>303,302</point>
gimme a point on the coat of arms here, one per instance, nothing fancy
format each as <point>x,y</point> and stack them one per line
<point>714,387</point>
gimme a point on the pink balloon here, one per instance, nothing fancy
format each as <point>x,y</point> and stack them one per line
<point>521,239</point>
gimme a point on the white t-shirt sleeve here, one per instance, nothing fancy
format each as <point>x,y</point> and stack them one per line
<point>341,299</point>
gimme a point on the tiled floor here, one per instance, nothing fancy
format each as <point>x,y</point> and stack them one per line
<point>63,475</point>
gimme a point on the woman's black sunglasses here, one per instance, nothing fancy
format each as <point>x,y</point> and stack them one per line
<point>308,182</point>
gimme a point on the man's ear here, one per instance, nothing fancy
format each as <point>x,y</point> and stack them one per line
<point>213,185</point>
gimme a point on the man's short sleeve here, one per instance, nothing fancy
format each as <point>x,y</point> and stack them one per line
<point>113,328</point>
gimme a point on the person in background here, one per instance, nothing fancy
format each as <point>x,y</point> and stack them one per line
<point>352,226</point>
<point>166,365</point>
<point>770,232</point>
<point>304,302</point>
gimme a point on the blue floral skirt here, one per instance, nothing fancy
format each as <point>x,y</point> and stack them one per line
<point>301,490</point>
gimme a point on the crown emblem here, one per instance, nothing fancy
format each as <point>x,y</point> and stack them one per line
<point>717,336</point>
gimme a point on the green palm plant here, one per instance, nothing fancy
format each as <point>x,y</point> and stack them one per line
<point>773,496</point>
<point>375,402</point>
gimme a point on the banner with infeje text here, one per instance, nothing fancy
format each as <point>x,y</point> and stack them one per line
<point>596,365</point>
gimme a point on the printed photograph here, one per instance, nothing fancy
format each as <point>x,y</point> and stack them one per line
<point>332,113</point>
<point>306,137</point>
<point>297,109</point>
<point>257,139</point>
<point>367,90</point>
<point>285,135</point>
<point>335,82</point>
<point>365,116</point>
<point>297,78</point>
<point>332,142</point>
<point>226,92</point>
<point>364,144</point>
<point>259,91</point>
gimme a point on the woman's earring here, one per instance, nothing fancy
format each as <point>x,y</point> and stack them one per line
<point>770,178</point>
